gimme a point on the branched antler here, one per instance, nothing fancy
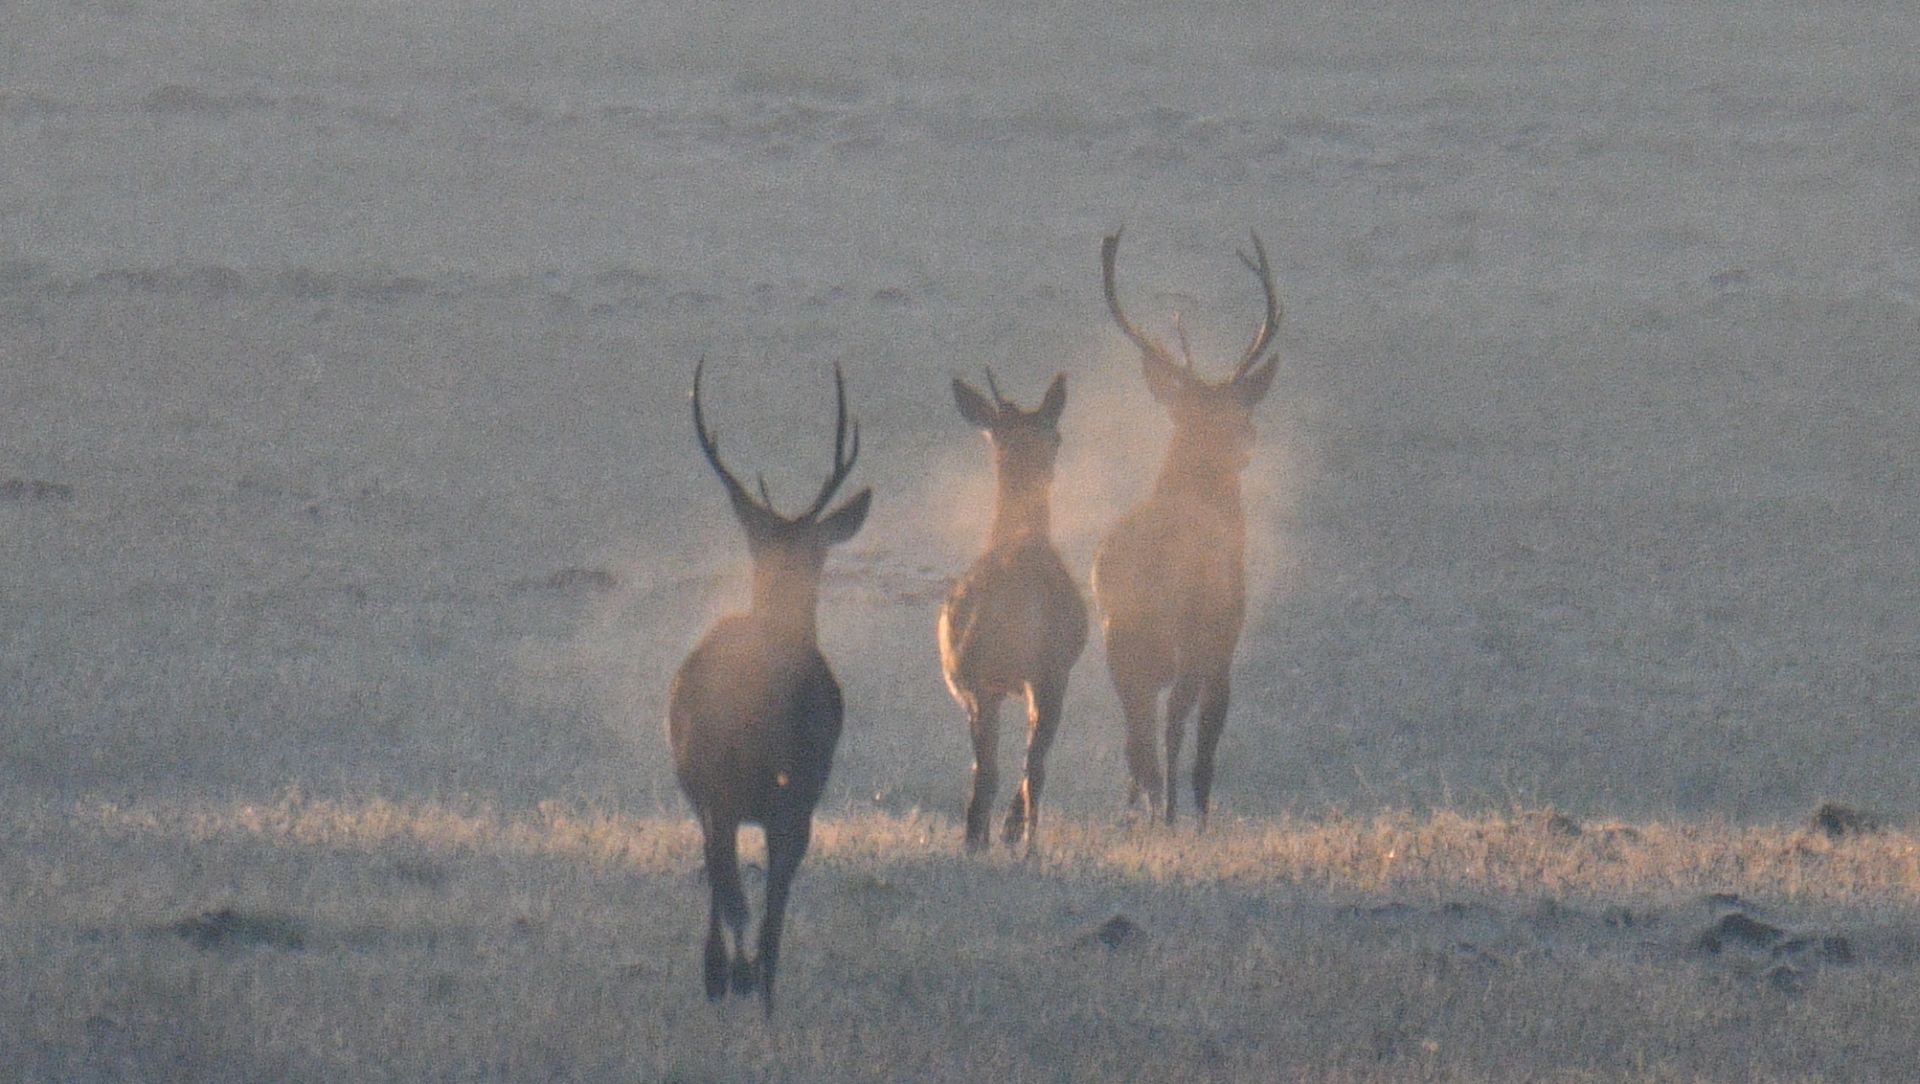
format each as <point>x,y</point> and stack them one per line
<point>1156,352</point>
<point>1180,332</point>
<point>846,449</point>
<point>1271,322</point>
<point>711,447</point>
<point>845,452</point>
<point>1109,250</point>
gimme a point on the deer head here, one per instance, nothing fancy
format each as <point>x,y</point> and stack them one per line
<point>789,552</point>
<point>1024,441</point>
<point>1212,419</point>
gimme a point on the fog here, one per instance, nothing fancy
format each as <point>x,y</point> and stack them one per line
<point>361,333</point>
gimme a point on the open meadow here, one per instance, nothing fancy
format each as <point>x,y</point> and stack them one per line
<point>352,525</point>
<point>308,939</point>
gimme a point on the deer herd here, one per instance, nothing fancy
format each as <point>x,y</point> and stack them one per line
<point>754,712</point>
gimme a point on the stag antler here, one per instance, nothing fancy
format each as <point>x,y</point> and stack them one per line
<point>1271,322</point>
<point>845,451</point>
<point>1180,333</point>
<point>999,401</point>
<point>711,447</point>
<point>1109,249</point>
<point>843,454</point>
<point>1263,338</point>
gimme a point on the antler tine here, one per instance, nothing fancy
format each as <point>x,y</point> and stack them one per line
<point>845,451</point>
<point>999,400</point>
<point>1186,348</point>
<point>1109,250</point>
<point>711,446</point>
<point>1271,322</point>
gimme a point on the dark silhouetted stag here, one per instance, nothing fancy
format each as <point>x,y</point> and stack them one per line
<point>1170,578</point>
<point>754,713</point>
<point>1015,623</point>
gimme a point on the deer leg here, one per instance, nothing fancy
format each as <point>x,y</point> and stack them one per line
<point>1213,720</point>
<point>786,846</point>
<point>729,903</point>
<point>1129,664</point>
<point>1179,705</point>
<point>714,959</point>
<point>1044,703</point>
<point>1143,760</point>
<point>984,718</point>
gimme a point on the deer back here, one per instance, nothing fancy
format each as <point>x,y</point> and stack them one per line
<point>748,710</point>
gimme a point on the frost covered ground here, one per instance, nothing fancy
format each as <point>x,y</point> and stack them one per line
<point>344,347</point>
<point>1589,478</point>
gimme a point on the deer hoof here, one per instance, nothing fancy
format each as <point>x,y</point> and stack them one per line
<point>743,975</point>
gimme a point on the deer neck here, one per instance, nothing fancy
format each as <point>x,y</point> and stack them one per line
<point>1190,475</point>
<point>784,610</point>
<point>1020,509</point>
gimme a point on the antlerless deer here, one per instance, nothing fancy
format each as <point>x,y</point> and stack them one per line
<point>1015,623</point>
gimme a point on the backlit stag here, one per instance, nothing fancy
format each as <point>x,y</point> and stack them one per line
<point>754,713</point>
<point>1015,623</point>
<point>1170,578</point>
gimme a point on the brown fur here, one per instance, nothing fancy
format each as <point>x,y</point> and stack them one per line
<point>754,712</point>
<point>1015,623</point>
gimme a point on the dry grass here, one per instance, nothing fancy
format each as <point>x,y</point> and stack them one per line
<point>1531,851</point>
<point>309,938</point>
<point>343,440</point>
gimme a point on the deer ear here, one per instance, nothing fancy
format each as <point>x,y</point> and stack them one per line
<point>1053,403</point>
<point>845,521</point>
<point>973,405</point>
<point>1163,380</point>
<point>1252,387</point>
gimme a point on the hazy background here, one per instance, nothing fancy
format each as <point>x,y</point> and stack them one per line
<point>360,332</point>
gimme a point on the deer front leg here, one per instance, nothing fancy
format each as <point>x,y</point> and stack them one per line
<point>984,720</point>
<point>1179,705</point>
<point>1143,758</point>
<point>1130,664</point>
<point>1213,721</point>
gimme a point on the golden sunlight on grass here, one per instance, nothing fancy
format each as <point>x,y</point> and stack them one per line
<point>1528,853</point>
<point>552,830</point>
<point>322,938</point>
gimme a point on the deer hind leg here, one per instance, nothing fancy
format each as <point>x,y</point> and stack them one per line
<point>786,846</point>
<point>1045,700</point>
<point>1179,705</point>
<point>1213,721</point>
<point>729,904</point>
<point>984,719</point>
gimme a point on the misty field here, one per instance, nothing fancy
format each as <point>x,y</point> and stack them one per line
<point>308,939</point>
<point>351,527</point>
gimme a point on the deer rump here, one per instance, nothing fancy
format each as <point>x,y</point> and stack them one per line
<point>1015,618</point>
<point>735,681</point>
